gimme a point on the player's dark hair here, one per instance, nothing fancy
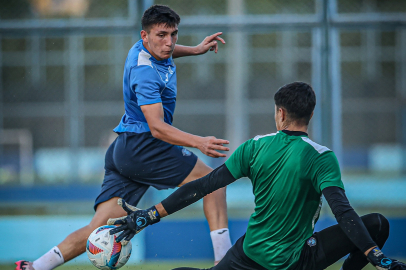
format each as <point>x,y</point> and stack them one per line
<point>159,14</point>
<point>299,100</point>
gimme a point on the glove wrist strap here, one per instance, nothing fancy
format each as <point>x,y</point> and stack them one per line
<point>378,259</point>
<point>153,215</point>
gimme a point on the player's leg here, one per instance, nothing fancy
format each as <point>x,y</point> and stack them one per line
<point>214,204</point>
<point>335,244</point>
<point>114,186</point>
<point>215,210</point>
<point>75,243</point>
<point>379,230</point>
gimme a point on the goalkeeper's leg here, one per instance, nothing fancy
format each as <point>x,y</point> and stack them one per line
<point>336,245</point>
<point>378,228</point>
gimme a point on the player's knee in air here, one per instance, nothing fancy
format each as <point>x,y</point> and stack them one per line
<point>378,227</point>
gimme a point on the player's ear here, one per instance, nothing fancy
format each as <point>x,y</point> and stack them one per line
<point>144,35</point>
<point>282,113</point>
<point>311,116</point>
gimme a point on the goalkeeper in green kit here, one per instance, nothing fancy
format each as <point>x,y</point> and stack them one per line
<point>289,173</point>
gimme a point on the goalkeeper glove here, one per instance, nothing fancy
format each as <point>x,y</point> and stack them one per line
<point>136,221</point>
<point>381,262</point>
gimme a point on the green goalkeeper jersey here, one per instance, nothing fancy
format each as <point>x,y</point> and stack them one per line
<point>288,173</point>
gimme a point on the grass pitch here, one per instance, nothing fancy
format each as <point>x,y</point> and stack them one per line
<point>158,265</point>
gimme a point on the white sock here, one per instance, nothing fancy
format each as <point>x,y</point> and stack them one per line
<point>49,260</point>
<point>221,242</point>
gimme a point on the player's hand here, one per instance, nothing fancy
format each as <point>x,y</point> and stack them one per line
<point>381,262</point>
<point>136,221</point>
<point>210,145</point>
<point>210,43</point>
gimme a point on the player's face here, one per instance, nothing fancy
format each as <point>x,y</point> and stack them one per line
<point>160,41</point>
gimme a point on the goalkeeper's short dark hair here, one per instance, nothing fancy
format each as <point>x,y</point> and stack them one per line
<point>159,14</point>
<point>298,99</point>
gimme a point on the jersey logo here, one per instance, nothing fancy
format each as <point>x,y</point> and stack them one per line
<point>170,70</point>
<point>311,242</point>
<point>166,77</point>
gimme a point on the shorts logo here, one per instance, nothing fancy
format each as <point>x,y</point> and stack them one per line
<point>186,152</point>
<point>311,242</point>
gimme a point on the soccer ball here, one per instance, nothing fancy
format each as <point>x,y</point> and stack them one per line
<point>104,252</point>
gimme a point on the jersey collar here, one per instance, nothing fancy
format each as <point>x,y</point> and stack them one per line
<point>165,61</point>
<point>294,133</point>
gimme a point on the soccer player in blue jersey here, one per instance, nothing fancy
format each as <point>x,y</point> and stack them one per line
<point>149,150</point>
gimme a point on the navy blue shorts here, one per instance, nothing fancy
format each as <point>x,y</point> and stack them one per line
<point>136,161</point>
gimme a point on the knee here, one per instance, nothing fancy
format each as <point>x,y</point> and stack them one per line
<point>96,223</point>
<point>379,221</point>
<point>91,227</point>
<point>377,225</point>
<point>222,191</point>
<point>384,221</point>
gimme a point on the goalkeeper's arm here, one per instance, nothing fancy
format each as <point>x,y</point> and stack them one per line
<point>195,190</point>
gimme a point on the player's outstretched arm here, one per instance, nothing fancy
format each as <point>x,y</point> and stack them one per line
<point>195,190</point>
<point>184,196</point>
<point>209,43</point>
<point>154,114</point>
<point>354,228</point>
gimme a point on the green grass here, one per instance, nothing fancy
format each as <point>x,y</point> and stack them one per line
<point>155,266</point>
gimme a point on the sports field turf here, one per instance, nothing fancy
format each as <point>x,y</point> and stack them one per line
<point>155,266</point>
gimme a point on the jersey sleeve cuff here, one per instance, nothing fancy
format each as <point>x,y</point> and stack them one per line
<point>148,102</point>
<point>234,174</point>
<point>326,185</point>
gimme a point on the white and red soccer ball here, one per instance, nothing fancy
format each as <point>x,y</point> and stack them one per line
<point>104,252</point>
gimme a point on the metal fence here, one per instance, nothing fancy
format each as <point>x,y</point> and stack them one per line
<point>61,65</point>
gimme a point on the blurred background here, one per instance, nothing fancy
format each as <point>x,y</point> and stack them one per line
<point>61,68</point>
